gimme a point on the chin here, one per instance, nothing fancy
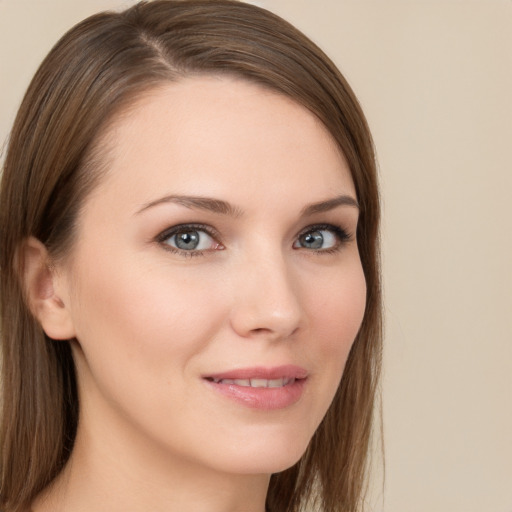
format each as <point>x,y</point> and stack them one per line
<point>266,457</point>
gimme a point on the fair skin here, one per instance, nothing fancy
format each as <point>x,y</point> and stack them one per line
<point>266,278</point>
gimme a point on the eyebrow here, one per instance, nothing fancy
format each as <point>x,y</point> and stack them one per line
<point>224,208</point>
<point>197,202</point>
<point>330,204</point>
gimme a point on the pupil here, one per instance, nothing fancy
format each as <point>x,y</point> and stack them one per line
<point>189,240</point>
<point>313,240</point>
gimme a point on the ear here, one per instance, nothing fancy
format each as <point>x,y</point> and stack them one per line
<point>42,284</point>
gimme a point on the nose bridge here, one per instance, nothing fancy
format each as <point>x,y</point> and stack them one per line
<point>267,299</point>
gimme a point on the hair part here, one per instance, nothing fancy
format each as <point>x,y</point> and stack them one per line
<point>53,161</point>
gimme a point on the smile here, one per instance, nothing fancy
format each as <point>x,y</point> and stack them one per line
<point>256,383</point>
<point>261,388</point>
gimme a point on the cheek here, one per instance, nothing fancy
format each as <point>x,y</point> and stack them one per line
<point>336,313</point>
<point>141,340</point>
<point>143,318</point>
<point>338,308</point>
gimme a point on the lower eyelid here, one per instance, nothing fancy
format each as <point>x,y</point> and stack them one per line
<point>340,234</point>
<point>165,236</point>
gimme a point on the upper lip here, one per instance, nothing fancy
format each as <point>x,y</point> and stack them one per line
<point>288,371</point>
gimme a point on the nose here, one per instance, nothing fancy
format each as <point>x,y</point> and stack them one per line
<point>267,301</point>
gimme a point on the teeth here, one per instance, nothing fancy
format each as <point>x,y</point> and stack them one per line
<point>242,382</point>
<point>257,383</point>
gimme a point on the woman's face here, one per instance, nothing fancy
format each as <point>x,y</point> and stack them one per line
<point>215,287</point>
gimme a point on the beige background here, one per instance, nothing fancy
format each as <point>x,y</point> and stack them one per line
<point>435,79</point>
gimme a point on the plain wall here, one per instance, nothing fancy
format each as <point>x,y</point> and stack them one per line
<point>435,80</point>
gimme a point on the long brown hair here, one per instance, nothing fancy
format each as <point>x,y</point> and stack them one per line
<point>95,71</point>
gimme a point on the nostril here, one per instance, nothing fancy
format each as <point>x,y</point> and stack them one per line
<point>272,333</point>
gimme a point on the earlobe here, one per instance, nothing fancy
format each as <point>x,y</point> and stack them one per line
<point>41,285</point>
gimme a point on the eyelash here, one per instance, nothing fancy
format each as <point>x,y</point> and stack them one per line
<point>341,235</point>
<point>183,228</point>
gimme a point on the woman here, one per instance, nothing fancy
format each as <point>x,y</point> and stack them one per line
<point>190,281</point>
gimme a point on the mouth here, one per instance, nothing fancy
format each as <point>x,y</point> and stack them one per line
<point>260,387</point>
<point>255,383</point>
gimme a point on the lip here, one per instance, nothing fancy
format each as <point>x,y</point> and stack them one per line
<point>262,398</point>
<point>287,371</point>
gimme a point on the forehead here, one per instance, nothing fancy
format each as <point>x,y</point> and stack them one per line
<point>217,133</point>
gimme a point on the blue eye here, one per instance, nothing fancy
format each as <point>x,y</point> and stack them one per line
<point>189,239</point>
<point>321,238</point>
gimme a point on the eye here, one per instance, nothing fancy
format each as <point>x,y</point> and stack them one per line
<point>189,238</point>
<point>321,238</point>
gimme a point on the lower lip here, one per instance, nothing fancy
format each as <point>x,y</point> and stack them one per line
<point>262,398</point>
